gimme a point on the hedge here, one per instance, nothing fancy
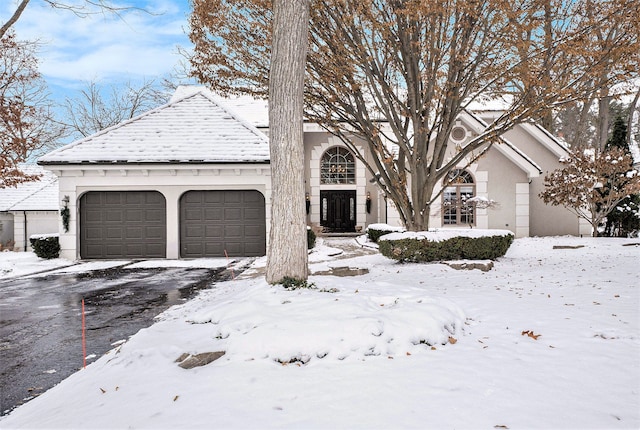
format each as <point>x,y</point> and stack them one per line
<point>46,246</point>
<point>418,250</point>
<point>311,238</point>
<point>375,231</point>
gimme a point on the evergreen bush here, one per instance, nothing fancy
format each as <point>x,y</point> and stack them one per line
<point>457,248</point>
<point>311,238</point>
<point>375,231</point>
<point>47,247</point>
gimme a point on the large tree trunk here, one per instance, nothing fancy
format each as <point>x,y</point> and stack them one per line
<point>287,252</point>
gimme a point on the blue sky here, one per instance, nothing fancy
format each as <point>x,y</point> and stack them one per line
<point>103,48</point>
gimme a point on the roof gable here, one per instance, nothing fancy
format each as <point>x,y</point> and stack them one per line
<point>508,149</point>
<point>41,194</point>
<point>191,129</point>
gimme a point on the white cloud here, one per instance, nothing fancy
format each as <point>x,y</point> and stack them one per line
<point>105,46</point>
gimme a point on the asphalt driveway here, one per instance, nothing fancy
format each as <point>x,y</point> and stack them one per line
<point>41,324</point>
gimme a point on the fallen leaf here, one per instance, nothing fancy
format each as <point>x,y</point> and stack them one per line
<point>103,391</point>
<point>433,348</point>
<point>452,340</point>
<point>408,353</point>
<point>531,334</point>
<point>500,427</point>
<point>175,398</point>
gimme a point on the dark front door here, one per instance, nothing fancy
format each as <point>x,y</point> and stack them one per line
<point>338,210</point>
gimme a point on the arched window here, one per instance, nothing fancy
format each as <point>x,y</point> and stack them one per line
<point>459,187</point>
<point>337,166</point>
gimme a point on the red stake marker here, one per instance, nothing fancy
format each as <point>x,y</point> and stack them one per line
<point>84,340</point>
<point>233,275</point>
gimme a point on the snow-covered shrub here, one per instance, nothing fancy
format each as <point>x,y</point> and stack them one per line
<point>375,231</point>
<point>420,247</point>
<point>45,246</point>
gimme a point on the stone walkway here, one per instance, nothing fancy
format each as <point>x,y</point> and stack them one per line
<point>345,247</point>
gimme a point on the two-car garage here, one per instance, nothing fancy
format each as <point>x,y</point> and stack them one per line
<point>133,224</point>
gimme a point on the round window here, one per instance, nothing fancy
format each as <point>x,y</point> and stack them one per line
<point>458,133</point>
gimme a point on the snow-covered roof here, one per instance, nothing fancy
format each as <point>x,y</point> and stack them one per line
<point>193,128</point>
<point>41,194</point>
<point>507,148</point>
<point>253,110</point>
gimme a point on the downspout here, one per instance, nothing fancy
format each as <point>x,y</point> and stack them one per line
<point>24,213</point>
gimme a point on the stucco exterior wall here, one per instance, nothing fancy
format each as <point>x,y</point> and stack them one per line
<point>506,184</point>
<point>545,220</point>
<point>6,228</point>
<point>37,222</point>
<point>172,181</point>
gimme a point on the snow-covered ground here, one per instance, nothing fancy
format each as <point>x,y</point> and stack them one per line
<point>549,338</point>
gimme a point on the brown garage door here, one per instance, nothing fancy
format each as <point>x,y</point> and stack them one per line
<point>212,222</point>
<point>123,224</point>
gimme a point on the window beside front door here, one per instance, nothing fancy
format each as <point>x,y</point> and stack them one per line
<point>458,188</point>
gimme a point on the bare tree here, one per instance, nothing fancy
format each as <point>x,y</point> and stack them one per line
<point>26,121</point>
<point>97,107</point>
<point>287,253</point>
<point>612,45</point>
<point>592,184</point>
<point>397,74</point>
<point>83,9</point>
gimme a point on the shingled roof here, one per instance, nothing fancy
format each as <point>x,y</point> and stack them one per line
<point>194,128</point>
<point>40,194</point>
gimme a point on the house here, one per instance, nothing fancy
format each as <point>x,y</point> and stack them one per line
<point>192,179</point>
<point>28,208</point>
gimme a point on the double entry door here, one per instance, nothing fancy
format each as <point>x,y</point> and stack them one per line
<point>338,210</point>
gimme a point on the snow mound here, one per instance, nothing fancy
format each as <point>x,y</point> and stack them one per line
<point>271,323</point>
<point>439,235</point>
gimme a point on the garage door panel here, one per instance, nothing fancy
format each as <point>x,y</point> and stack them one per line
<point>113,216</point>
<point>113,233</point>
<point>122,224</point>
<point>214,248</point>
<point>192,215</point>
<point>154,215</point>
<point>224,217</point>
<point>213,198</point>
<point>212,214</point>
<point>93,215</point>
<point>135,250</point>
<point>256,198</point>
<point>193,231</point>
<point>233,231</point>
<point>252,231</point>
<point>233,214</point>
<point>134,233</point>
<point>213,231</point>
<point>133,215</point>
<point>232,197</point>
<point>234,248</point>
<point>253,214</point>
<point>154,233</point>
<point>112,199</point>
